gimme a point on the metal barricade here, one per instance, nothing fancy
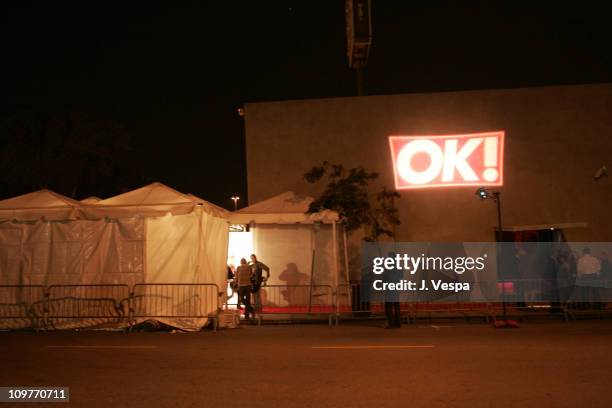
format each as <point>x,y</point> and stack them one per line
<point>466,305</point>
<point>86,306</point>
<point>350,303</point>
<point>112,306</point>
<point>16,311</point>
<point>466,310</point>
<point>527,298</point>
<point>295,300</point>
<point>175,301</point>
<point>587,298</point>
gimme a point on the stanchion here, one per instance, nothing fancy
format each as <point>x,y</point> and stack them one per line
<point>484,194</point>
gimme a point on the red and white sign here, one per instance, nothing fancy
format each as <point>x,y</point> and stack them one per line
<point>452,160</point>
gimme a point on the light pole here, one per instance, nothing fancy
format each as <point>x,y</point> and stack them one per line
<point>485,194</point>
<point>235,200</point>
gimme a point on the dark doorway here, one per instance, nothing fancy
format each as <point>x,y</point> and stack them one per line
<point>531,266</point>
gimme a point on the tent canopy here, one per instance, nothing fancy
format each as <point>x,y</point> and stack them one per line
<point>91,200</point>
<point>210,208</point>
<point>153,200</point>
<point>152,235</point>
<point>39,204</point>
<point>285,208</point>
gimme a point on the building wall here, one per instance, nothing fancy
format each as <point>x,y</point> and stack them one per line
<point>556,138</point>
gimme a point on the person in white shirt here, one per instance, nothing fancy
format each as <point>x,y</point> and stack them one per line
<point>588,271</point>
<point>588,265</point>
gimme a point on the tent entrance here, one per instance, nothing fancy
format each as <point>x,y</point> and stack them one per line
<point>240,246</point>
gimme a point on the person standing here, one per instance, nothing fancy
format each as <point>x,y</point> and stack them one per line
<point>230,288</point>
<point>257,279</point>
<point>392,297</point>
<point>589,268</point>
<point>243,278</point>
<point>565,280</point>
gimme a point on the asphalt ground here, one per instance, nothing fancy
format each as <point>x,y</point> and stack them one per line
<point>357,365</point>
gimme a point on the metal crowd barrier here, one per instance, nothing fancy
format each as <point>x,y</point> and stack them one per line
<point>175,301</point>
<point>70,306</point>
<point>350,304</point>
<point>104,305</point>
<point>466,310</point>
<point>16,306</point>
<point>568,298</point>
<point>295,300</point>
<point>89,306</point>
<point>587,299</point>
<point>456,305</point>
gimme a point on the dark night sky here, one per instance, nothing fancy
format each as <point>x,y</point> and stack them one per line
<point>174,74</point>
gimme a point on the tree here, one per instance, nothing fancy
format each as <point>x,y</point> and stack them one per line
<point>347,193</point>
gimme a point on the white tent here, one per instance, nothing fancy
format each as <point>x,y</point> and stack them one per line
<point>91,200</point>
<point>209,207</point>
<point>299,248</point>
<point>40,204</point>
<point>153,234</point>
<point>155,199</point>
<point>186,238</point>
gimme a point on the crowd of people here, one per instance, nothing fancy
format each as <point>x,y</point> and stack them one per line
<point>246,280</point>
<point>580,278</point>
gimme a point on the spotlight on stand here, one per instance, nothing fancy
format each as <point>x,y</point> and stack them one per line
<point>482,193</point>
<point>485,194</point>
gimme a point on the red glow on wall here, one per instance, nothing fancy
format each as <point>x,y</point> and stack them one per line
<point>475,159</point>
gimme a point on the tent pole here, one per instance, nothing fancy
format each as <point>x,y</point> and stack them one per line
<point>346,270</point>
<point>145,240</point>
<point>312,265</point>
<point>199,247</point>
<point>346,261</point>
<point>335,252</point>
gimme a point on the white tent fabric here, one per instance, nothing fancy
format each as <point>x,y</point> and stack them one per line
<point>39,204</point>
<point>153,200</point>
<point>286,239</point>
<point>152,235</point>
<point>209,208</point>
<point>91,200</point>
<point>190,248</point>
<point>72,252</point>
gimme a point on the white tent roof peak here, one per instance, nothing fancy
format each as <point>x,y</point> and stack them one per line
<point>285,208</point>
<point>153,200</point>
<point>209,207</point>
<point>42,198</point>
<point>287,202</point>
<point>152,194</point>
<point>91,200</point>
<point>42,203</point>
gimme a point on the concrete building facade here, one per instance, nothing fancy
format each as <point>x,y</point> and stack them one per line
<point>555,140</point>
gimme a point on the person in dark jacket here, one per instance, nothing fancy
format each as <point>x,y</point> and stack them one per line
<point>392,301</point>
<point>257,279</point>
